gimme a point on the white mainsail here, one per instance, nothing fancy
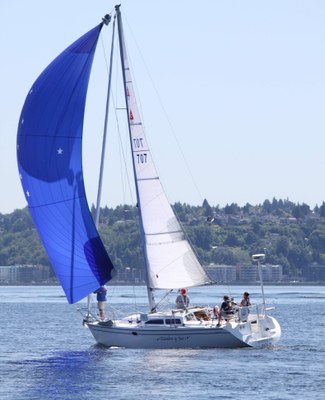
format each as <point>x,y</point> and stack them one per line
<point>171,262</point>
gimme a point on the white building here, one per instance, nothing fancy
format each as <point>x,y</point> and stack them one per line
<point>8,274</point>
<point>221,273</point>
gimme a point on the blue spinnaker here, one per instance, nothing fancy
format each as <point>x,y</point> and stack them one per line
<point>49,152</point>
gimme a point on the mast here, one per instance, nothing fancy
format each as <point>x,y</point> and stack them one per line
<point>106,21</point>
<point>123,55</point>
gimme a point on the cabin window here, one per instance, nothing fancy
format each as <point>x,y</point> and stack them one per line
<point>190,317</point>
<point>173,321</point>
<point>155,322</point>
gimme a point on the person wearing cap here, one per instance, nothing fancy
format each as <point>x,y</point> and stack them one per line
<point>245,300</point>
<point>182,300</point>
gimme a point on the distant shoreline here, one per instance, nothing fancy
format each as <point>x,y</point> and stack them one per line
<point>217,284</point>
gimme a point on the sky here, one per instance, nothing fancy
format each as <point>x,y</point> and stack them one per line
<point>232,94</point>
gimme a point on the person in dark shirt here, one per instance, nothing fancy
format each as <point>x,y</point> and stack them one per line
<point>101,299</point>
<point>226,309</point>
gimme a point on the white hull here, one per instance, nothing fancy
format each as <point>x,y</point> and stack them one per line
<point>196,334</point>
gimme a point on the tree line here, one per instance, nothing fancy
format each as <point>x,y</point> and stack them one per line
<point>290,234</point>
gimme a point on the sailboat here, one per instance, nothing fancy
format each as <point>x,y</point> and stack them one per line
<point>49,153</point>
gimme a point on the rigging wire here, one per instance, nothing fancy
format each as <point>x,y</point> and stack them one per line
<point>123,154</point>
<point>164,110</point>
<point>121,146</point>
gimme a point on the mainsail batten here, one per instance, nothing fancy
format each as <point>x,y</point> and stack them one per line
<point>49,152</point>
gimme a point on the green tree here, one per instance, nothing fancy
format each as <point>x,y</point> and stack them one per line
<point>322,210</point>
<point>282,246</point>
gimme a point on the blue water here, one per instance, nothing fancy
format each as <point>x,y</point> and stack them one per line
<point>46,353</point>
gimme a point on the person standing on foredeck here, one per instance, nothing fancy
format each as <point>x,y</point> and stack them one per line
<point>101,293</point>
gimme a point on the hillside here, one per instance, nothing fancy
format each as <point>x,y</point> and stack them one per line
<point>292,235</point>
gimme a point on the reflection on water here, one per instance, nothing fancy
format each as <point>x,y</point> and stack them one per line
<point>159,359</point>
<point>65,375</point>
